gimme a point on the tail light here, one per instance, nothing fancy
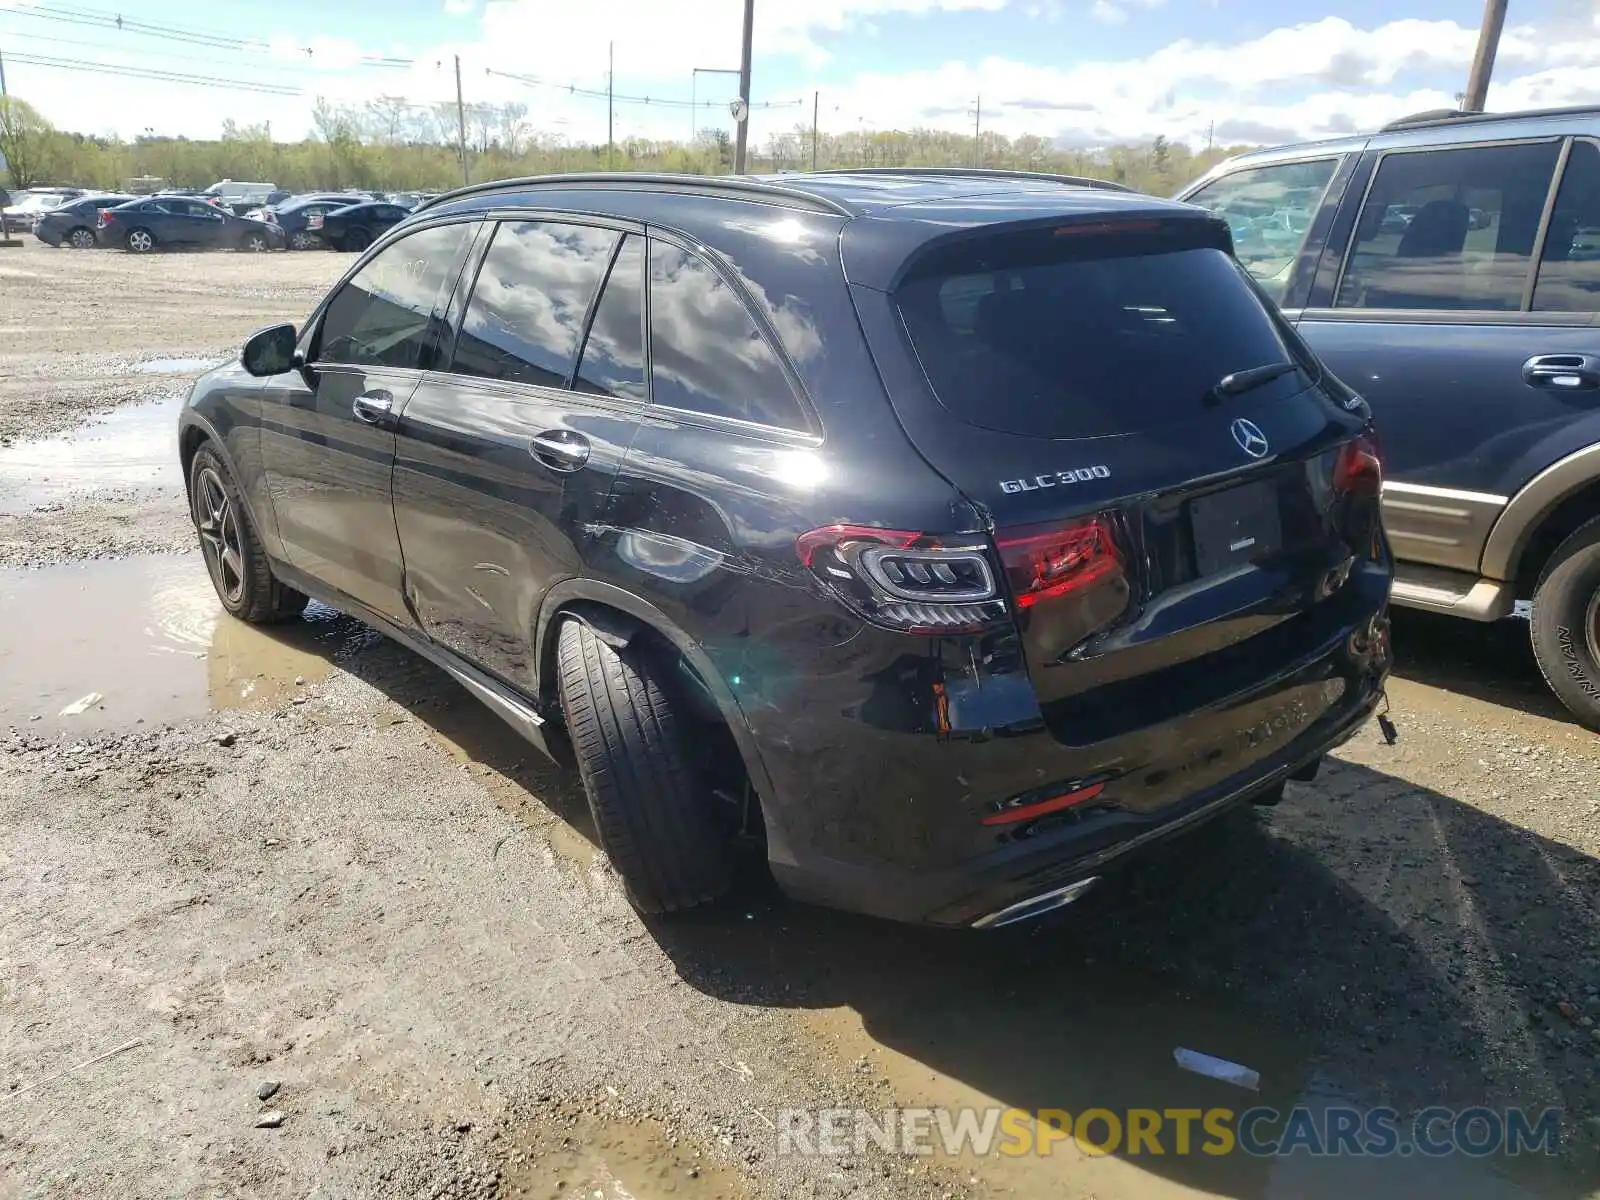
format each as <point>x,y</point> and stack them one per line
<point>1359,468</point>
<point>314,221</point>
<point>1043,562</point>
<point>906,581</point>
<point>105,218</point>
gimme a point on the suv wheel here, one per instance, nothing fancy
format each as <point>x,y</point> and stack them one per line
<point>1566,623</point>
<point>238,566</point>
<point>651,808</point>
<point>81,238</point>
<point>140,241</point>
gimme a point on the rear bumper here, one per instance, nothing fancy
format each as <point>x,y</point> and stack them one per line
<point>967,894</point>
<point>899,834</point>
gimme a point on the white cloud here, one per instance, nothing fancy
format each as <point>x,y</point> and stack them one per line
<point>1312,79</point>
<point>459,8</point>
<point>1108,13</point>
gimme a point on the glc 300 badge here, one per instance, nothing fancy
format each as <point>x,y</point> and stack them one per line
<point>1055,479</point>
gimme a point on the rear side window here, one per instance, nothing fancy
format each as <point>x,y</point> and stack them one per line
<point>530,300</point>
<point>1449,229</point>
<point>613,354</point>
<point>707,353</point>
<point>1077,340</point>
<point>1569,273</point>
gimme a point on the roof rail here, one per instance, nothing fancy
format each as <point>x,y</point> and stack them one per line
<point>983,173</point>
<point>1452,116</point>
<point>734,187</point>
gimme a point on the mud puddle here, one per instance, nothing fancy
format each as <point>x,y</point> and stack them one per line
<point>177,366</point>
<point>145,639</point>
<point>135,446</point>
<point>597,1159</point>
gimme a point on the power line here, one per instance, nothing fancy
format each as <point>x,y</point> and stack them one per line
<point>573,89</point>
<point>195,37</point>
<point>159,76</point>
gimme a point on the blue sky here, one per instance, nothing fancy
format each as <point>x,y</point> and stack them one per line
<point>1081,71</point>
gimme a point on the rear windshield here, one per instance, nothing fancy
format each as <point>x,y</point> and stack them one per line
<point>1077,340</point>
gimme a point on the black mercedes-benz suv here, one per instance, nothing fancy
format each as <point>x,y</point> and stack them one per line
<point>949,534</point>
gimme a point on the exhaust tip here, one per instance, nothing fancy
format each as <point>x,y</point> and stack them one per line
<point>1036,906</point>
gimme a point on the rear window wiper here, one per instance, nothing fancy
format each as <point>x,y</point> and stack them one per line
<point>1240,382</point>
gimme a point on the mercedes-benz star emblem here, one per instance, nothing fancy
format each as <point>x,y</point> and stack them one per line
<point>1250,438</point>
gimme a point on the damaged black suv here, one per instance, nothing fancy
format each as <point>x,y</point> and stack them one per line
<point>950,533</point>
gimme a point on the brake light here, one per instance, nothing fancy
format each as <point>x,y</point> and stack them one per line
<point>105,218</point>
<point>1359,467</point>
<point>1042,563</point>
<point>1026,808</point>
<point>910,582</point>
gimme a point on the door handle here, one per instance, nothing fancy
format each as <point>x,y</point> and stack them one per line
<point>1563,372</point>
<point>373,407</point>
<point>560,449</point>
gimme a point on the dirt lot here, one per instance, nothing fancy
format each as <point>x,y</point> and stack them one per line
<point>301,878</point>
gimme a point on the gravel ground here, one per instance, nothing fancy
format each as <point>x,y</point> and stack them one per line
<point>350,881</point>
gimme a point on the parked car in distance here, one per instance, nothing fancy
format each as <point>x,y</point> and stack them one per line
<point>74,223</point>
<point>28,205</point>
<point>818,514</point>
<point>1450,272</point>
<point>295,218</point>
<point>410,200</point>
<point>182,222</point>
<point>240,197</point>
<point>356,226</point>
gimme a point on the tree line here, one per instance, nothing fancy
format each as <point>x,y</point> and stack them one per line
<point>391,144</point>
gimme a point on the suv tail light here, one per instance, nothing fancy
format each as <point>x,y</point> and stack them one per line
<point>906,581</point>
<point>1359,467</point>
<point>1046,562</point>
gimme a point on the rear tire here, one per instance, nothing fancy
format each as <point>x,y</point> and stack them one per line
<point>651,809</point>
<point>139,241</point>
<point>301,240</point>
<point>357,240</point>
<point>81,238</point>
<point>238,566</point>
<point>254,243</point>
<point>1566,623</point>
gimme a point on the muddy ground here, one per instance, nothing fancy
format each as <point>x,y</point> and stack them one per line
<point>299,878</point>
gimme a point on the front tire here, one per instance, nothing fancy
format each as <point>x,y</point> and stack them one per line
<point>1566,623</point>
<point>254,243</point>
<point>301,240</point>
<point>651,809</point>
<point>238,566</point>
<point>139,241</point>
<point>81,238</point>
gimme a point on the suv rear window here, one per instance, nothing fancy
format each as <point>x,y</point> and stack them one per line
<point>1081,337</point>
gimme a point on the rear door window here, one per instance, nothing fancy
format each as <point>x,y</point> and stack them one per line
<point>1449,229</point>
<point>530,301</point>
<point>1569,271</point>
<point>1074,337</point>
<point>613,353</point>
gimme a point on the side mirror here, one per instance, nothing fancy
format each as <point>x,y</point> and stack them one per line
<point>270,351</point>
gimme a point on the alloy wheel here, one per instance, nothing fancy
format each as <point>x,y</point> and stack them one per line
<point>255,243</point>
<point>218,525</point>
<point>139,241</point>
<point>1591,624</point>
<point>81,239</point>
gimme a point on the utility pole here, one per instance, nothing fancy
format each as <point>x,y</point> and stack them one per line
<point>1211,132</point>
<point>743,129</point>
<point>611,79</point>
<point>1494,20</point>
<point>816,98</point>
<point>977,133</point>
<point>461,125</point>
<point>2,77</point>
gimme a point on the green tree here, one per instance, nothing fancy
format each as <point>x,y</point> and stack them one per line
<point>24,141</point>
